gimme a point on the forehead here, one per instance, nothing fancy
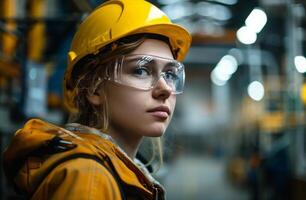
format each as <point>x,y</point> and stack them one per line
<point>154,47</point>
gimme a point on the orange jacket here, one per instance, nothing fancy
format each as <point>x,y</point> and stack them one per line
<point>48,162</point>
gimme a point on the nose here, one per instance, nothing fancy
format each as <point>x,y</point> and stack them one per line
<point>161,89</point>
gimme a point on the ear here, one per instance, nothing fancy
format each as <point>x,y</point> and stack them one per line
<point>95,98</point>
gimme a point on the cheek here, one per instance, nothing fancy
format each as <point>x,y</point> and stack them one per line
<point>128,111</point>
<point>172,102</point>
<point>125,104</point>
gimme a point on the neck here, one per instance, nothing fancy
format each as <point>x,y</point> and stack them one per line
<point>127,141</point>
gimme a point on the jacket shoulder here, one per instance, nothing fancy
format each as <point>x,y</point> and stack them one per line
<point>79,178</point>
<point>37,148</point>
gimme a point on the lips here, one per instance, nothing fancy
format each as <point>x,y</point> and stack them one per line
<point>162,112</point>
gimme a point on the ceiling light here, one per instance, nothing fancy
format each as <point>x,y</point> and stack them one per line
<point>256,20</point>
<point>300,64</point>
<point>246,35</point>
<point>256,90</point>
<point>216,80</point>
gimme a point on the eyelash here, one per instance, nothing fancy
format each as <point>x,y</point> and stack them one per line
<point>142,69</point>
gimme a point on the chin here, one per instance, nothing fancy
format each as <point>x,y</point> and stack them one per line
<point>155,135</point>
<point>155,131</point>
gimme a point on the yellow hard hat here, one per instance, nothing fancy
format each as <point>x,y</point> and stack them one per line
<point>116,19</point>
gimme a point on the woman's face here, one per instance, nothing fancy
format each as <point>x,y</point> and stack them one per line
<point>142,112</point>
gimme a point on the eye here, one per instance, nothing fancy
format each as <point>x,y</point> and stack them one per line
<point>171,75</point>
<point>141,72</point>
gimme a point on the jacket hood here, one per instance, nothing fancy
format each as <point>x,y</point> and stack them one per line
<point>32,142</point>
<point>33,138</point>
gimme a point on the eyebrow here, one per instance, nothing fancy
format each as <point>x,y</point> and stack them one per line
<point>144,59</point>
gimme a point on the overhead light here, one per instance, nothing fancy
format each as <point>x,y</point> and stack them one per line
<point>221,75</point>
<point>254,23</point>
<point>256,20</point>
<point>217,80</point>
<point>256,90</point>
<point>228,64</point>
<point>246,35</point>
<point>224,70</point>
<point>300,63</point>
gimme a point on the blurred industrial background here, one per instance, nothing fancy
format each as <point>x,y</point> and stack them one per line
<point>238,132</point>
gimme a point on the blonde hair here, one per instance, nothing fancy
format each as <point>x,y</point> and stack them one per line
<point>85,80</point>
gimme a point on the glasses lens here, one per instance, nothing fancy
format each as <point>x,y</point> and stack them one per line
<point>143,71</point>
<point>138,71</point>
<point>174,75</point>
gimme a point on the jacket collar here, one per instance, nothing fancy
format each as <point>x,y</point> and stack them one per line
<point>76,127</point>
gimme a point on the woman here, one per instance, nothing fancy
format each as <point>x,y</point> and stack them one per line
<point>120,85</point>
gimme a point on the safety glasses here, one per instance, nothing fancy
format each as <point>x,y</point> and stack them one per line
<point>144,71</point>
